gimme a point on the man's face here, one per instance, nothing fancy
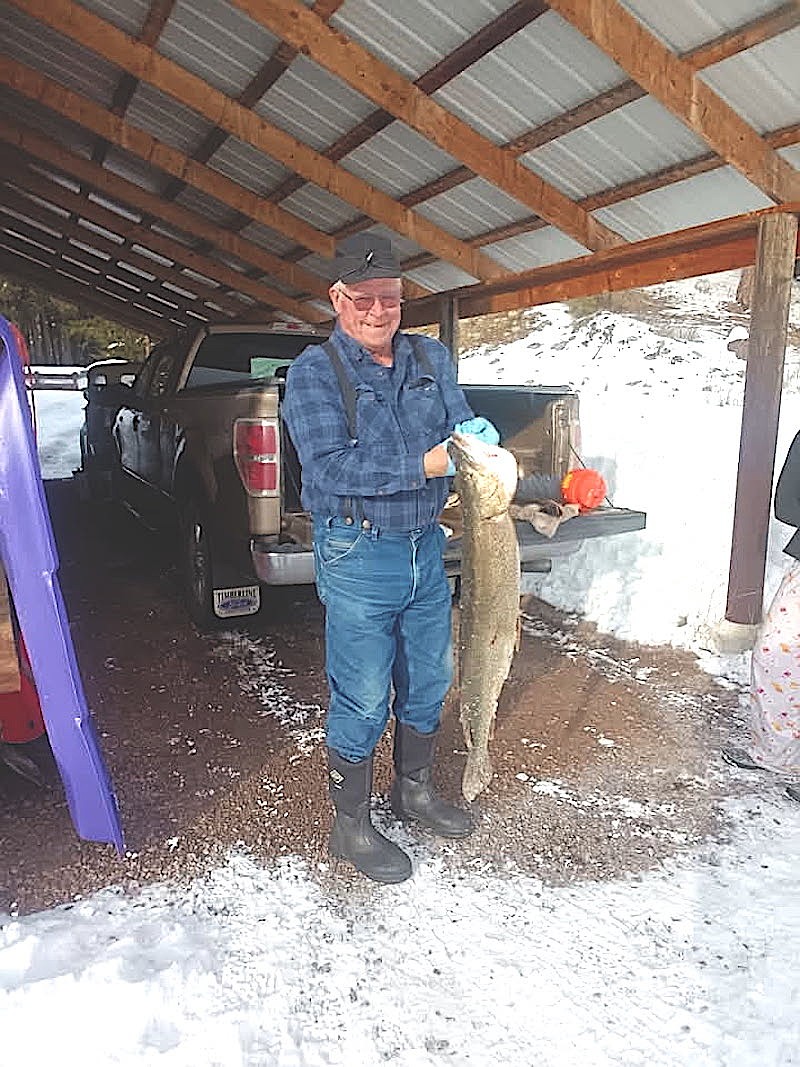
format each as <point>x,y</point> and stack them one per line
<point>375,325</point>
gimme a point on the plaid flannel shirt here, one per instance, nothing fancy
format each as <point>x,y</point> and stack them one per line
<point>401,412</point>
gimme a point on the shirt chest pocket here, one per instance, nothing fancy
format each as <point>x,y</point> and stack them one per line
<point>375,421</point>
<point>423,406</point>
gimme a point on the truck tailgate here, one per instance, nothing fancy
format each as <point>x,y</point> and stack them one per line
<point>602,522</point>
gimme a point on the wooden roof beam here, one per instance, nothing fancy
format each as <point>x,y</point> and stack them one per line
<point>673,82</point>
<point>13,266</point>
<point>723,47</point>
<point>133,196</point>
<point>489,37</point>
<point>92,116</point>
<point>277,64</point>
<point>98,272</point>
<point>722,245</point>
<point>120,254</point>
<point>80,25</point>
<point>782,138</point>
<point>389,90</point>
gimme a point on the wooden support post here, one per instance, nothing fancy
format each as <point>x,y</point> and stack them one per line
<point>775,256</point>
<point>9,661</point>
<point>448,325</point>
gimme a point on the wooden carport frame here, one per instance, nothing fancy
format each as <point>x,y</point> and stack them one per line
<point>194,282</point>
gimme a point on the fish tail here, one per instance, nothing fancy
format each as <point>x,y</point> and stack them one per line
<point>477,773</point>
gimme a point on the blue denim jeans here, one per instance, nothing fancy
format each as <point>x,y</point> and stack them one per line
<point>387,624</point>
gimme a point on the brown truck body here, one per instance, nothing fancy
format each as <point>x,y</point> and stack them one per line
<point>194,443</point>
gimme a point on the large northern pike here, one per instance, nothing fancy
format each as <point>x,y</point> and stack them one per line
<point>486,480</point>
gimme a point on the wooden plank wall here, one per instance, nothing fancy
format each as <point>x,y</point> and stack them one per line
<point>9,661</point>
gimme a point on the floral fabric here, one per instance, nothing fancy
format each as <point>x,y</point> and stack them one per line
<point>775,690</point>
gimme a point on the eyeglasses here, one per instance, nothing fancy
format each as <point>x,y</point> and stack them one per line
<point>365,303</point>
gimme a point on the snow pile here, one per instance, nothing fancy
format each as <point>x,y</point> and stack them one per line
<point>661,408</point>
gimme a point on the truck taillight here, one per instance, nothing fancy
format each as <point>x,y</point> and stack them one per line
<point>257,454</point>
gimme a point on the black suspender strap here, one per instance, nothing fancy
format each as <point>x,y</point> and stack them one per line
<point>346,386</point>
<point>422,356</point>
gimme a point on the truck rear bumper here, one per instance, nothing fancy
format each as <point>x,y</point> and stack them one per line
<point>282,564</point>
<point>290,564</point>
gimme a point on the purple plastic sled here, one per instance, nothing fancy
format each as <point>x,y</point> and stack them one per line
<point>30,560</point>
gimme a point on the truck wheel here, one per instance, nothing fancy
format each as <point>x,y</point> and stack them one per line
<point>195,561</point>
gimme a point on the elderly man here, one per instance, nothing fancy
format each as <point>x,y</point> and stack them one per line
<point>369,412</point>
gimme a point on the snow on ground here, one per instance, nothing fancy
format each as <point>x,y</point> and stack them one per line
<point>695,963</point>
<point>58,418</point>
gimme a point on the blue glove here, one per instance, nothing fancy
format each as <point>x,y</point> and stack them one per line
<point>481,428</point>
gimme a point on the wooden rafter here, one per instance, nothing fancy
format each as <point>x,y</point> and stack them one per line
<point>280,60</point>
<point>489,37</point>
<point>15,266</point>
<point>155,21</point>
<point>674,83</point>
<point>782,138</point>
<point>389,90</point>
<point>52,192</point>
<point>82,26</point>
<point>98,273</point>
<point>51,215</point>
<point>723,245</point>
<point>134,197</point>
<point>80,109</point>
<point>729,44</point>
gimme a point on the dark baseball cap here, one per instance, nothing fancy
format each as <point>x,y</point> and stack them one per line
<point>362,256</point>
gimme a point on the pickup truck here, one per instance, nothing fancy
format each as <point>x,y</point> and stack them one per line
<point>193,443</point>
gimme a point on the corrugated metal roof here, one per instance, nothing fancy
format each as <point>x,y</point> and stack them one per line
<point>216,42</point>
<point>641,138</point>
<point>540,72</point>
<point>716,195</point>
<point>66,62</point>
<point>762,86</point>
<point>205,206</point>
<point>686,24</point>
<point>312,105</point>
<point>243,163</point>
<point>473,208</point>
<point>532,77</point>
<point>413,36</point>
<point>267,239</point>
<point>133,169</point>
<point>31,116</point>
<point>319,207</point>
<point>537,249</point>
<point>398,159</point>
<point>166,119</point>
<point>127,15</point>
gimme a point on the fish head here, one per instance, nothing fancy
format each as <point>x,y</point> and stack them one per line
<point>486,474</point>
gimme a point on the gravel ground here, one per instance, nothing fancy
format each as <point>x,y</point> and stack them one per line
<point>606,754</point>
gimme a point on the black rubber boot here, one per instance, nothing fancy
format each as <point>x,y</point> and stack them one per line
<point>413,798</point>
<point>353,837</point>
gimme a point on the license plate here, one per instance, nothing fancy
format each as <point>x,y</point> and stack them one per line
<point>244,600</point>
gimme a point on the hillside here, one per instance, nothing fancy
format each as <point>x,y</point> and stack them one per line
<point>661,396</point>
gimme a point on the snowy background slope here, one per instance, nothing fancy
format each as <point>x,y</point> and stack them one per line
<point>661,409</point>
<point>693,963</point>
